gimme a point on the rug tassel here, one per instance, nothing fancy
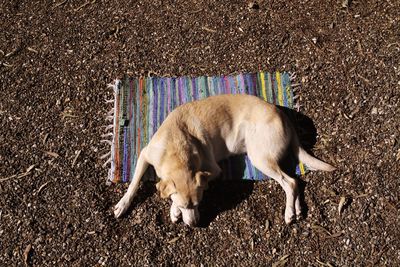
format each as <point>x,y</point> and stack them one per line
<point>105,155</point>
<point>110,112</point>
<point>109,100</point>
<point>297,107</point>
<point>106,141</point>
<point>107,134</point>
<point>108,127</point>
<point>292,76</point>
<point>295,84</point>
<point>295,97</point>
<point>110,118</point>
<point>105,163</point>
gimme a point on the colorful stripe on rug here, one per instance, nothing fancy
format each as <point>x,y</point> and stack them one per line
<point>142,104</point>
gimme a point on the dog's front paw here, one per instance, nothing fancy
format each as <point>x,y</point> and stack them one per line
<point>121,207</point>
<point>175,213</point>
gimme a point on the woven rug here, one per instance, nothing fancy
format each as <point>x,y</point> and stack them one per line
<point>141,105</point>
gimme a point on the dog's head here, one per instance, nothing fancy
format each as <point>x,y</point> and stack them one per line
<point>186,191</point>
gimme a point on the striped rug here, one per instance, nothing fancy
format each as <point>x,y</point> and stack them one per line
<point>141,105</point>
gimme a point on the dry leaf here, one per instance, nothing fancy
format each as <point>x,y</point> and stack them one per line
<point>26,254</point>
<point>32,50</point>
<point>267,224</point>
<point>53,154</point>
<point>173,240</point>
<point>324,264</point>
<point>45,138</point>
<point>342,202</point>
<point>30,168</point>
<point>320,229</point>
<point>281,262</point>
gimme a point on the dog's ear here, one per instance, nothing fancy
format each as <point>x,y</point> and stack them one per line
<point>202,179</point>
<point>166,188</point>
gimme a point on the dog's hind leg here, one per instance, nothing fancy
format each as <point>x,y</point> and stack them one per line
<point>126,200</point>
<point>289,185</point>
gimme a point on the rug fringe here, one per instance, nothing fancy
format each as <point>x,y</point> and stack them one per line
<point>295,88</point>
<point>105,155</point>
<point>106,141</point>
<point>110,130</point>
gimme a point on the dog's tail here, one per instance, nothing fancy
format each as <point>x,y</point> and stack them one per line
<point>314,163</point>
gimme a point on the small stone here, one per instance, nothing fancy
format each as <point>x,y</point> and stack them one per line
<point>306,233</point>
<point>315,40</point>
<point>374,111</point>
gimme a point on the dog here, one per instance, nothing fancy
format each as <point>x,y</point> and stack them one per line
<point>187,147</point>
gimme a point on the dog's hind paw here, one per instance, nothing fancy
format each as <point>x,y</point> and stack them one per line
<point>121,207</point>
<point>290,217</point>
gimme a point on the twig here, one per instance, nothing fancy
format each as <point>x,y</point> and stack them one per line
<point>32,50</point>
<point>8,178</point>
<point>85,4</point>
<point>208,29</point>
<point>52,154</point>
<point>60,4</point>
<point>45,138</point>
<point>12,52</point>
<point>17,176</point>
<point>76,157</point>
<point>26,254</point>
<point>196,11</point>
<point>40,188</point>
<point>7,65</point>
<point>324,264</point>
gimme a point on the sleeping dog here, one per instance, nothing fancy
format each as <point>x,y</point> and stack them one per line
<point>187,147</point>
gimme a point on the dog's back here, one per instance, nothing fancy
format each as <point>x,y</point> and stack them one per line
<point>224,121</point>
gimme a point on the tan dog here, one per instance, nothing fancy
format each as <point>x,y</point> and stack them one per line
<point>195,136</point>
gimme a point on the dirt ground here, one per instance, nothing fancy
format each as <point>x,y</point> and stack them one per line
<point>56,60</point>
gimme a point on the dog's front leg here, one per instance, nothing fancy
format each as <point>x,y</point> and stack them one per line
<point>175,213</point>
<point>126,200</point>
